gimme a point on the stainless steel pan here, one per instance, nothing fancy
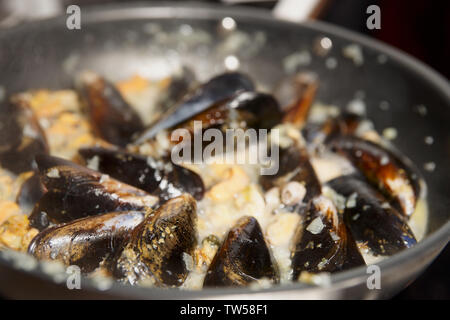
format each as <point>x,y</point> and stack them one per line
<point>118,41</point>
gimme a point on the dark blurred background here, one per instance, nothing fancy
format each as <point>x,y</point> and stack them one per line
<point>419,27</point>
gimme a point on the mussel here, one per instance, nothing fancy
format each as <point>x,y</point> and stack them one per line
<point>245,109</point>
<point>86,242</point>
<point>321,242</point>
<point>242,111</point>
<point>296,95</point>
<point>370,217</point>
<point>215,90</point>
<point>392,175</point>
<point>160,246</point>
<point>111,117</point>
<point>294,166</point>
<point>158,177</point>
<point>347,123</point>
<point>243,258</point>
<point>75,192</point>
<point>21,136</point>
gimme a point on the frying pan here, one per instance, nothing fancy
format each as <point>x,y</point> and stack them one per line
<point>153,40</point>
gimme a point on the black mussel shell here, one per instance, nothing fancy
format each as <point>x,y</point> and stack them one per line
<point>390,174</point>
<point>160,245</point>
<point>111,117</point>
<point>371,219</point>
<point>321,242</point>
<point>296,95</point>
<point>219,88</point>
<point>86,242</point>
<point>243,258</point>
<point>75,192</point>
<point>246,109</point>
<point>161,178</point>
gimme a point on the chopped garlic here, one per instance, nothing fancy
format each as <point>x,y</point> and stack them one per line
<point>351,201</point>
<point>53,173</point>
<point>188,261</point>
<point>93,163</point>
<point>316,226</point>
<point>272,198</point>
<point>293,193</point>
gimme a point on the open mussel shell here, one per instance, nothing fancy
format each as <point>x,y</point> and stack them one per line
<point>397,180</point>
<point>75,192</point>
<point>159,246</point>
<point>321,242</point>
<point>217,89</point>
<point>370,218</point>
<point>243,258</point>
<point>111,117</point>
<point>86,242</point>
<point>294,165</point>
<point>157,177</point>
<point>21,136</point>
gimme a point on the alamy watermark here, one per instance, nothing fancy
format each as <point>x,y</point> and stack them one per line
<point>74,277</point>
<point>374,20</point>
<point>374,280</point>
<point>73,21</point>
